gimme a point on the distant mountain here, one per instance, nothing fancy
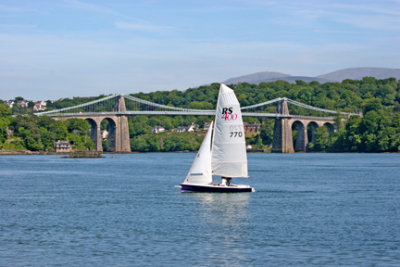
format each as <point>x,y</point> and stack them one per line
<point>293,79</point>
<point>256,77</point>
<point>340,75</point>
<point>359,73</point>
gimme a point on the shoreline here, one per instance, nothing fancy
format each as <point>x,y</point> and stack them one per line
<point>28,152</point>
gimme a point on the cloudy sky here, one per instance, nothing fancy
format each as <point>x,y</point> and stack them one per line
<point>65,48</point>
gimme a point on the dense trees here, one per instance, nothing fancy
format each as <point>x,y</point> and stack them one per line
<point>377,131</point>
<point>378,100</point>
<point>166,142</point>
<point>39,133</point>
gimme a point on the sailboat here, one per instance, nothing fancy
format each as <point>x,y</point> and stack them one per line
<point>223,151</point>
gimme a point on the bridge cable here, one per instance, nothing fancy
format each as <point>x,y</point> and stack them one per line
<point>262,104</point>
<point>78,106</point>
<point>162,106</point>
<point>317,109</point>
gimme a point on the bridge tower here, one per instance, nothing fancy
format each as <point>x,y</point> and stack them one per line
<point>122,141</point>
<point>282,142</point>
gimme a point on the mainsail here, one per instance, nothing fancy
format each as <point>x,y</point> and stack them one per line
<point>228,155</point>
<point>200,172</point>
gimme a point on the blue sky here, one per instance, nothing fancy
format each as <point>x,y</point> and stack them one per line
<point>65,48</point>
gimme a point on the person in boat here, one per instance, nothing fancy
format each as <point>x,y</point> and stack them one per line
<point>226,181</point>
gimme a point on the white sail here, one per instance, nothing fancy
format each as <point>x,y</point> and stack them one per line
<point>229,156</point>
<point>200,171</point>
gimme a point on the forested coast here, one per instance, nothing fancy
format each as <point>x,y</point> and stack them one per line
<point>376,130</point>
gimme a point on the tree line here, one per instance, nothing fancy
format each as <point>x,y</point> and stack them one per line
<point>39,133</point>
<point>378,130</point>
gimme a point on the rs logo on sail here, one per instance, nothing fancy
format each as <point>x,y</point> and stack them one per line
<point>228,115</point>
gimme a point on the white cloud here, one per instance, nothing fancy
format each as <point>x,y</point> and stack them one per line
<point>56,63</point>
<point>72,67</point>
<point>377,15</point>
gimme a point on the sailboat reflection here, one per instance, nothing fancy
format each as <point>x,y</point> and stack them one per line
<point>225,208</point>
<point>223,220</point>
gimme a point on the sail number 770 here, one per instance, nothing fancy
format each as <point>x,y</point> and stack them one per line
<point>236,134</point>
<point>235,131</point>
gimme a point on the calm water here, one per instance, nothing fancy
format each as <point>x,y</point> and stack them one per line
<point>123,210</point>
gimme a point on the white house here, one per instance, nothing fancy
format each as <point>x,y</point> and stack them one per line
<point>39,106</point>
<point>181,129</point>
<point>62,146</point>
<point>22,103</point>
<point>191,128</point>
<point>9,103</point>
<point>158,129</point>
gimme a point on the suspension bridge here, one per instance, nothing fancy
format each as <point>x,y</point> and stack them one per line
<point>116,108</point>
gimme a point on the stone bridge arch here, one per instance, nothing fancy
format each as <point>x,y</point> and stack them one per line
<point>119,131</point>
<point>285,142</point>
<point>312,126</point>
<point>118,127</point>
<point>329,126</point>
<point>300,138</point>
<point>95,132</point>
<point>112,133</point>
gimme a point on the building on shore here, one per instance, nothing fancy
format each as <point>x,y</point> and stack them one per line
<point>158,129</point>
<point>62,146</point>
<point>251,127</point>
<point>39,106</point>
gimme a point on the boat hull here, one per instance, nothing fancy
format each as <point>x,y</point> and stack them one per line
<point>217,188</point>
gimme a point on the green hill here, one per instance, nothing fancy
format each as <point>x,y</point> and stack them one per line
<point>377,131</point>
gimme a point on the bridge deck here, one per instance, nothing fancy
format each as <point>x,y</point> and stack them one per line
<point>182,113</point>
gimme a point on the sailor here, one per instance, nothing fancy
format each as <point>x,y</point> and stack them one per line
<point>226,181</point>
